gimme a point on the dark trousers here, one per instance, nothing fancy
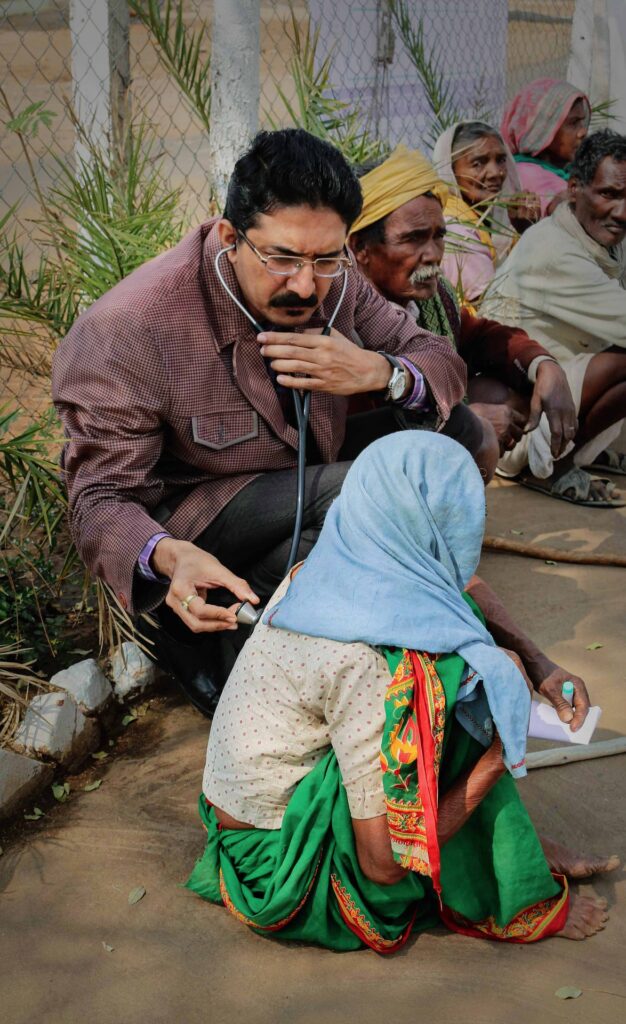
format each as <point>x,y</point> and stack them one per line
<point>252,534</point>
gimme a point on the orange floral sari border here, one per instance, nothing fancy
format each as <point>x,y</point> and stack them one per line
<point>276,927</point>
<point>535,922</point>
<point>357,922</point>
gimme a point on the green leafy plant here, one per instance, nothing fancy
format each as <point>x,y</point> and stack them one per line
<point>316,109</point>
<point>601,115</point>
<point>104,217</point>
<point>31,119</point>
<point>181,51</point>
<point>435,80</point>
<point>30,475</point>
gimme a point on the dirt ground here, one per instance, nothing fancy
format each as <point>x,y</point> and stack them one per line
<point>64,882</point>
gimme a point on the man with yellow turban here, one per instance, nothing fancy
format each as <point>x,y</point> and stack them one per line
<point>398,243</point>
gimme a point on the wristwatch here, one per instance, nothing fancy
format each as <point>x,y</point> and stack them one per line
<point>396,385</point>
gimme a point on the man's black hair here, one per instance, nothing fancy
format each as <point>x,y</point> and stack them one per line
<point>291,167</point>
<point>593,150</point>
<point>373,234</point>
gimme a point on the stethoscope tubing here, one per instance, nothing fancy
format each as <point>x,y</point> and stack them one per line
<point>302,406</point>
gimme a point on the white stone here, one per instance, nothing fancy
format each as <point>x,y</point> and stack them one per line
<point>20,778</point>
<point>132,671</point>
<point>54,727</point>
<point>87,684</point>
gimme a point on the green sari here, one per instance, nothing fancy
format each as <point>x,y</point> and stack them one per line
<point>303,881</point>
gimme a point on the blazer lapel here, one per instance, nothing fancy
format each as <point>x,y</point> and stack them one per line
<point>255,383</point>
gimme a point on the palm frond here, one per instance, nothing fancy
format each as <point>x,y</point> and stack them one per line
<point>181,51</point>
<point>601,114</point>
<point>114,623</point>
<point>31,476</point>
<point>428,64</point>
<point>16,684</point>
<point>316,108</point>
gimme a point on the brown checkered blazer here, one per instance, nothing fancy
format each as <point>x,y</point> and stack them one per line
<point>162,388</point>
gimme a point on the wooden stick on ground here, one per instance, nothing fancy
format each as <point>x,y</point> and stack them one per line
<point>514,547</point>
<point>584,752</point>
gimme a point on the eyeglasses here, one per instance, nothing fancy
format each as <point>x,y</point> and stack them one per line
<point>289,266</point>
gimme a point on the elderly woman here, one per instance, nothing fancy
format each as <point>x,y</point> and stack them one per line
<point>485,209</point>
<point>358,788</point>
<point>543,126</point>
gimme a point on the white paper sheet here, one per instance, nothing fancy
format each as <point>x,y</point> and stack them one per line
<point>545,724</point>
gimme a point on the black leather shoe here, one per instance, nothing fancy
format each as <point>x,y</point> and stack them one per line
<point>200,690</point>
<point>196,666</point>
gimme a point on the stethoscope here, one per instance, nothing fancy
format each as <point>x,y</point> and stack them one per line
<point>247,614</point>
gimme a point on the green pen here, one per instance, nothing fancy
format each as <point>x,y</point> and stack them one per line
<point>567,691</point>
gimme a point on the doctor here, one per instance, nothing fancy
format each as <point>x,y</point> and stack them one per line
<point>181,433</point>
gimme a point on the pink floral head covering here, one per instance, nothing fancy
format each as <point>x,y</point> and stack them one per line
<point>535,115</point>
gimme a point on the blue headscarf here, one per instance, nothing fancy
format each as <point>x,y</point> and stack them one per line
<point>397,548</point>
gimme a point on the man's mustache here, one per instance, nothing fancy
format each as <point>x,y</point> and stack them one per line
<point>425,273</point>
<point>289,300</point>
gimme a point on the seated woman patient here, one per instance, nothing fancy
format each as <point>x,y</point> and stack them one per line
<point>543,125</point>
<point>359,776</point>
<point>486,208</point>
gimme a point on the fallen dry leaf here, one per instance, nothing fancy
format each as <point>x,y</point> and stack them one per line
<point>136,894</point>
<point>89,788</point>
<point>568,993</point>
<point>61,791</point>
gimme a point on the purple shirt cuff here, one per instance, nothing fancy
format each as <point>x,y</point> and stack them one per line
<point>418,399</point>
<point>143,562</point>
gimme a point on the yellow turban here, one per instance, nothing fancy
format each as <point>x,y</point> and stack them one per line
<point>403,176</point>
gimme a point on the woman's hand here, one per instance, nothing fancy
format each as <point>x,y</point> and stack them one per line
<point>551,688</point>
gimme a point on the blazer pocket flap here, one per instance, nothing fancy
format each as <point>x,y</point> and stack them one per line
<point>219,430</point>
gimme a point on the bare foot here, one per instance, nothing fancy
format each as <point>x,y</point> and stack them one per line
<point>587,915</point>
<point>576,865</point>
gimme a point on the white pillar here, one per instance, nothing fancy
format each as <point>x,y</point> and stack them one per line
<point>100,69</point>
<point>235,86</point>
<point>597,63</point>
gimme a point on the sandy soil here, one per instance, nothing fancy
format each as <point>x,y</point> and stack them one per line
<point>64,883</point>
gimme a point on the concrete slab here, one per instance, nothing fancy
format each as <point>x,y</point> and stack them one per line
<point>20,778</point>
<point>64,888</point>
<point>132,671</point>
<point>55,728</point>
<point>87,684</point>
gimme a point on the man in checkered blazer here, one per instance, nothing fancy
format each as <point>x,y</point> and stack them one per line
<point>181,450</point>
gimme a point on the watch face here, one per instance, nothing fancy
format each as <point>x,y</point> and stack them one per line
<point>397,384</point>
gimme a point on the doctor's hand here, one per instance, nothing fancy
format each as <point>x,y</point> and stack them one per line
<point>318,362</point>
<point>193,573</point>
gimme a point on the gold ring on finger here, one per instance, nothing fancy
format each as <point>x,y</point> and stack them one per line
<point>185,604</point>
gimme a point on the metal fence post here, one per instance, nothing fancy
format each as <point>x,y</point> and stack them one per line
<point>100,70</point>
<point>235,85</point>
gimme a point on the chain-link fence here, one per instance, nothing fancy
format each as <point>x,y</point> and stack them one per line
<point>482,50</point>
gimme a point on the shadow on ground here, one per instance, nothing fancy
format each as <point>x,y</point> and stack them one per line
<point>176,960</point>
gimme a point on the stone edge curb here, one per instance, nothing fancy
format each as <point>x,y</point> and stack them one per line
<point>97,698</point>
